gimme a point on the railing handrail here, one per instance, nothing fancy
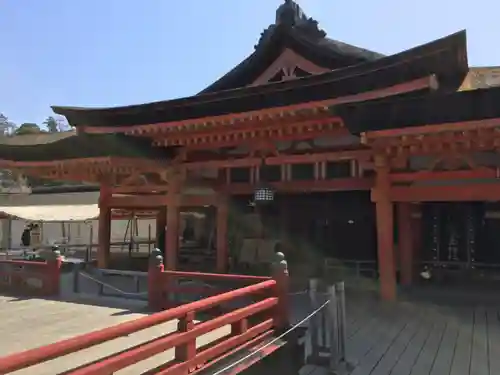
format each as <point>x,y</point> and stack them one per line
<point>105,271</point>
<point>218,276</point>
<point>42,354</point>
<point>24,262</point>
<point>169,341</point>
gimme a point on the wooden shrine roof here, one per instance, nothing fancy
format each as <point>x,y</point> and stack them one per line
<point>69,145</point>
<point>293,30</point>
<point>436,109</point>
<point>446,58</point>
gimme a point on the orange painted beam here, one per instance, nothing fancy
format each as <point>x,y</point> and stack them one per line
<point>129,163</point>
<point>309,129</point>
<point>151,189</point>
<point>432,129</point>
<point>134,201</point>
<point>317,157</point>
<point>338,184</point>
<point>314,157</point>
<point>156,201</point>
<point>482,173</point>
<point>257,123</point>
<point>415,85</point>
<point>227,163</point>
<point>450,193</point>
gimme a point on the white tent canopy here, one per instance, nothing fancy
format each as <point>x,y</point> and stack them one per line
<point>47,213</point>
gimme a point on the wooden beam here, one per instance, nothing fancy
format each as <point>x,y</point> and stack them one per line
<point>226,137</point>
<point>135,201</point>
<point>480,173</point>
<point>317,157</point>
<point>415,85</point>
<point>385,231</point>
<point>227,163</point>
<point>157,201</point>
<point>338,184</point>
<point>189,200</point>
<point>431,129</point>
<point>449,193</point>
<point>143,189</point>
<point>363,154</point>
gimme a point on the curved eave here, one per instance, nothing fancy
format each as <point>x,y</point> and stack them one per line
<point>446,57</point>
<point>457,107</point>
<point>84,146</point>
<point>324,52</point>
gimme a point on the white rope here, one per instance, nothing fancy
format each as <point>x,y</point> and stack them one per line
<point>256,351</point>
<point>298,293</point>
<point>112,287</point>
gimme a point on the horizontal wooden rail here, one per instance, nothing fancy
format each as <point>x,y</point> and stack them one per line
<point>32,357</point>
<point>217,276</point>
<point>161,344</point>
<point>24,263</point>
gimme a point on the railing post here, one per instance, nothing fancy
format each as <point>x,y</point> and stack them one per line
<point>314,324</point>
<point>155,280</point>
<point>187,351</point>
<point>54,263</point>
<point>342,320</point>
<point>280,275</point>
<point>334,330</point>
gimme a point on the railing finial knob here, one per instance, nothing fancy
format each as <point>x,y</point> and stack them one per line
<point>156,257</point>
<point>280,264</point>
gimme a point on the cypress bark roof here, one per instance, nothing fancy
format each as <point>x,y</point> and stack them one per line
<point>461,106</point>
<point>69,145</point>
<point>446,58</point>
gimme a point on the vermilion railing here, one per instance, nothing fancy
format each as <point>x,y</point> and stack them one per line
<point>249,324</point>
<point>164,287</point>
<point>30,277</point>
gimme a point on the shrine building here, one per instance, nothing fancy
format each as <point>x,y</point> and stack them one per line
<point>363,156</point>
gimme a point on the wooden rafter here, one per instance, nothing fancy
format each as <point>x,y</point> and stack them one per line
<point>446,142</point>
<point>304,158</point>
<point>306,129</point>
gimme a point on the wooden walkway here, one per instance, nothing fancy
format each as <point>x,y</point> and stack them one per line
<point>417,338</point>
<point>31,322</point>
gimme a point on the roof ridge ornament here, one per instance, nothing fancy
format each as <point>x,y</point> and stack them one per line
<point>290,15</point>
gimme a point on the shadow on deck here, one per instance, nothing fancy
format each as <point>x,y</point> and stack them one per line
<point>431,331</point>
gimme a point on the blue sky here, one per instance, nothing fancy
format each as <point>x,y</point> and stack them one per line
<point>115,52</point>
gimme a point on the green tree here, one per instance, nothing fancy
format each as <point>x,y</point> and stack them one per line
<point>6,127</point>
<point>28,128</point>
<point>51,124</point>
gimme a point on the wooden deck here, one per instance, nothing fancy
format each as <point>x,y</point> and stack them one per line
<point>31,322</point>
<point>417,338</point>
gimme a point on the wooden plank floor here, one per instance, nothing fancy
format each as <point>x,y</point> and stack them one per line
<point>421,338</point>
<point>31,322</point>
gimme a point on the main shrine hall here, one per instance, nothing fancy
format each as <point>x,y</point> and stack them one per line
<point>361,155</point>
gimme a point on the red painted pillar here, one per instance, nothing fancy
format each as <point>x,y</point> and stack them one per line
<point>385,231</point>
<point>104,230</point>
<point>406,241</point>
<point>417,232</point>
<point>222,234</point>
